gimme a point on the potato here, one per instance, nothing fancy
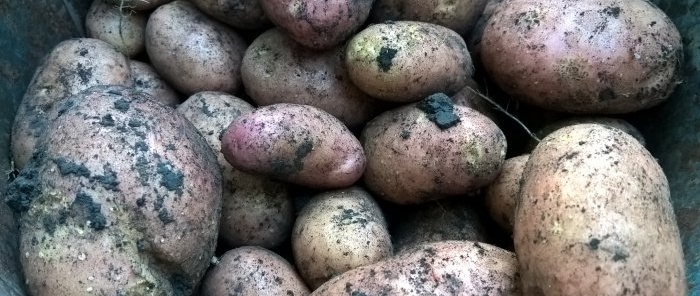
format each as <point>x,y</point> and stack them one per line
<point>72,66</point>
<point>303,76</point>
<point>457,15</point>
<point>240,14</point>
<point>317,24</point>
<point>336,231</point>
<point>256,211</point>
<point>253,271</point>
<point>122,197</point>
<point>501,195</point>
<point>147,80</point>
<point>618,123</point>
<point>440,269</point>
<point>441,220</point>
<point>198,54</point>
<point>594,215</point>
<point>406,61</point>
<point>299,144</point>
<point>137,5</point>
<point>122,28</point>
<point>431,150</point>
<point>603,57</point>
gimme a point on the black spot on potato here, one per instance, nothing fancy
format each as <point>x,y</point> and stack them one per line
<point>171,178</point>
<point>22,191</point>
<point>165,216</point>
<point>619,256</point>
<point>85,207</point>
<point>109,179</point>
<point>141,146</point>
<point>613,11</point>
<point>122,105</point>
<point>593,244</point>
<point>107,120</point>
<point>405,134</point>
<point>606,94</point>
<point>67,167</point>
<point>385,57</point>
<point>85,74</point>
<point>440,110</point>
<point>135,123</point>
<point>141,201</point>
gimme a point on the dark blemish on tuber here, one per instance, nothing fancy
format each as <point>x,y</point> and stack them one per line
<point>303,150</point>
<point>83,52</point>
<point>405,134</point>
<point>109,180</point>
<point>141,146</point>
<point>440,110</point>
<point>612,11</point>
<point>141,201</point>
<point>121,105</point>
<point>593,244</point>
<point>49,224</point>
<point>85,74</point>
<point>606,94</point>
<point>170,178</point>
<point>619,256</point>
<point>107,120</point>
<point>23,190</point>
<point>385,57</point>
<point>165,216</point>
<point>85,206</point>
<point>135,123</point>
<point>67,167</point>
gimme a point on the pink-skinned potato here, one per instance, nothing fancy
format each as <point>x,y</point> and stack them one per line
<point>299,144</point>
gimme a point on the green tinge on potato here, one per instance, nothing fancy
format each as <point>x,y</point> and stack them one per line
<point>121,197</point>
<point>594,215</point>
<point>300,144</point>
<point>405,61</point>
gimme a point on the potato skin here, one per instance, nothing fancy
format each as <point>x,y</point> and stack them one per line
<point>318,24</point>
<point>411,160</point>
<point>253,271</point>
<point>405,61</point>
<point>72,66</point>
<point>299,144</point>
<point>122,197</point>
<point>501,196</point>
<point>459,15</point>
<point>603,57</point>
<point>147,80</point>
<point>256,211</point>
<point>122,28</point>
<point>618,123</point>
<point>594,218</point>
<point>199,54</point>
<point>138,5</point>
<point>440,269</point>
<point>303,76</point>
<point>336,231</point>
<point>240,14</point>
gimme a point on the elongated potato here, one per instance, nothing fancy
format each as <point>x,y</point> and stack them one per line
<point>197,54</point>
<point>594,218</point>
<point>71,67</point>
<point>336,231</point>
<point>406,61</point>
<point>441,269</point>
<point>299,144</point>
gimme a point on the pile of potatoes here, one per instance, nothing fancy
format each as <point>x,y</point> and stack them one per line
<point>305,147</point>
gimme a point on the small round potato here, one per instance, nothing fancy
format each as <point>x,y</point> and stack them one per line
<point>337,231</point>
<point>72,66</point>
<point>253,271</point>
<point>445,268</point>
<point>318,24</point>
<point>406,61</point>
<point>299,144</point>
<point>122,28</point>
<point>431,150</point>
<point>147,80</point>
<point>303,76</point>
<point>240,14</point>
<point>256,211</point>
<point>501,195</point>
<point>595,215</point>
<point>123,197</point>
<point>602,57</point>
<point>457,15</point>
<point>192,51</point>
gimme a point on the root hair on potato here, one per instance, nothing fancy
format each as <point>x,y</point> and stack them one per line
<point>504,111</point>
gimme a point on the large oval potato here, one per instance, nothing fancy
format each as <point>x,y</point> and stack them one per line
<point>303,76</point>
<point>193,52</point>
<point>430,150</point>
<point>405,61</point>
<point>457,15</point>
<point>122,197</point>
<point>337,231</point>
<point>256,211</point>
<point>122,28</point>
<point>318,24</point>
<point>72,66</point>
<point>299,144</point>
<point>575,56</point>
<point>441,269</point>
<point>253,271</point>
<point>594,215</point>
